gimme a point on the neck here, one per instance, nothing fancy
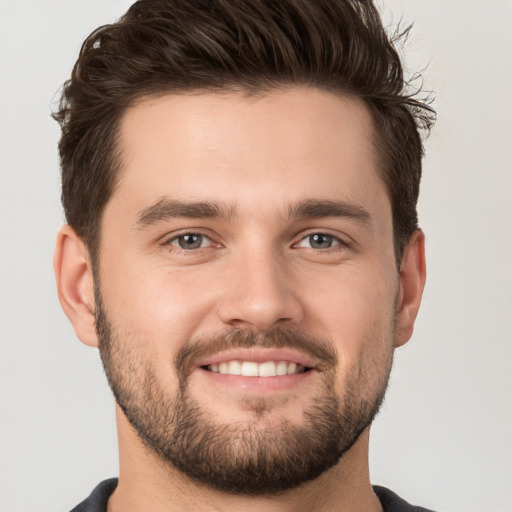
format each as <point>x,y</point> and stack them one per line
<point>146,483</point>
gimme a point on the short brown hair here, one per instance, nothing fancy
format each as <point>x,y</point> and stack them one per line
<point>165,46</point>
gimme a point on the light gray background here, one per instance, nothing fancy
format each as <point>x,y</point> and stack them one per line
<point>444,438</point>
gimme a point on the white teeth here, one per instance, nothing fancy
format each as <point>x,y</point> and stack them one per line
<point>249,369</point>
<point>267,369</point>
<point>234,367</point>
<point>282,368</point>
<point>253,369</point>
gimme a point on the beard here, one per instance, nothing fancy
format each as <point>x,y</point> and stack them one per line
<point>250,457</point>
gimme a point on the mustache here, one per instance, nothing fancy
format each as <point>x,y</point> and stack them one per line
<point>196,349</point>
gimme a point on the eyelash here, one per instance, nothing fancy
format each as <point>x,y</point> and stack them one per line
<point>176,238</point>
<point>336,240</point>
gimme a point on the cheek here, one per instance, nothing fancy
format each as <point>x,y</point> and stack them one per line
<point>153,315</point>
<point>354,308</point>
<point>156,306</point>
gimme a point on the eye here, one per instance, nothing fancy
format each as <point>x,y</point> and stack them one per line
<point>319,241</point>
<point>190,241</point>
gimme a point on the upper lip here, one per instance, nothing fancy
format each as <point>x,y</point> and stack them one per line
<point>260,355</point>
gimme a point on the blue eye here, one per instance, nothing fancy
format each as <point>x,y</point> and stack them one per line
<point>190,241</point>
<point>319,241</point>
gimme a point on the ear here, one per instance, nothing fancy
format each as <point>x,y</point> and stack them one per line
<point>75,287</point>
<point>412,282</point>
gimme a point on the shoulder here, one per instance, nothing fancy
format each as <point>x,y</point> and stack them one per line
<point>391,502</point>
<point>97,500</point>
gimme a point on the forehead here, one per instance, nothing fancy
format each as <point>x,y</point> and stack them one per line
<point>273,149</point>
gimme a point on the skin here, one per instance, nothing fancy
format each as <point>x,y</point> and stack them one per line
<point>256,270</point>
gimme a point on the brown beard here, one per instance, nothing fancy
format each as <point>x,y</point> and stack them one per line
<point>243,458</point>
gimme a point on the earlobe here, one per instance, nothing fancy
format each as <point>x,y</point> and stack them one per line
<point>75,285</point>
<point>412,283</point>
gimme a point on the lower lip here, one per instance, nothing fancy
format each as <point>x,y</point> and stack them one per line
<point>256,384</point>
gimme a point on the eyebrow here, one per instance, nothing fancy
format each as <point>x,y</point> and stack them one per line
<point>315,209</point>
<point>167,208</point>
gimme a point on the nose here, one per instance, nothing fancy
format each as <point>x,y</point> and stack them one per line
<point>259,294</point>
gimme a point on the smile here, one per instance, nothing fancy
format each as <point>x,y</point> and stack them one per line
<point>255,369</point>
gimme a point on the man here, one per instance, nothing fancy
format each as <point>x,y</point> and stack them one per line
<point>240,180</point>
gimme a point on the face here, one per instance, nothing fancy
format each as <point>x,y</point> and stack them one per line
<point>247,292</point>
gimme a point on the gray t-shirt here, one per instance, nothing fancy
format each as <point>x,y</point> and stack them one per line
<point>97,501</point>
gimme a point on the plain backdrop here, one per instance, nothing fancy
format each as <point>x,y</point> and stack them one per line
<point>444,437</point>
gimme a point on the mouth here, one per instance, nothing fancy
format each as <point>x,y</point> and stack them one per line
<point>257,369</point>
<point>258,362</point>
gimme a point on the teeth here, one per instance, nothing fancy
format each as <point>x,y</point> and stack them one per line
<point>253,369</point>
<point>282,368</point>
<point>249,369</point>
<point>234,368</point>
<point>267,369</point>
